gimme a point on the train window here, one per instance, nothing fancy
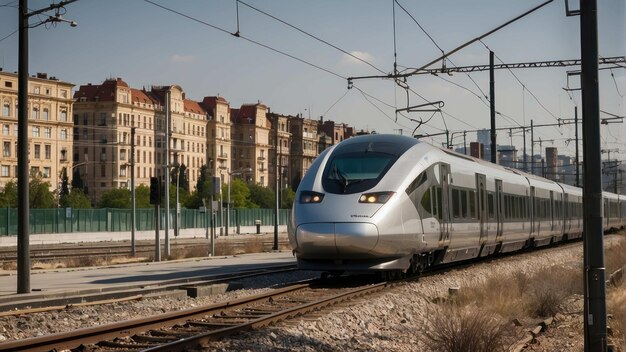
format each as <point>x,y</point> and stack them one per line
<point>419,180</point>
<point>464,204</point>
<point>426,201</point>
<point>472,204</point>
<point>456,210</point>
<point>439,206</point>
<point>518,207</point>
<point>491,207</point>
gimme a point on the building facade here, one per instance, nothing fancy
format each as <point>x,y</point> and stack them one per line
<point>49,130</point>
<point>104,118</point>
<point>251,144</point>
<point>280,150</point>
<point>304,147</point>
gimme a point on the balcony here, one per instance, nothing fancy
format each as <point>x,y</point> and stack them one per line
<point>222,156</point>
<point>261,158</point>
<point>262,169</point>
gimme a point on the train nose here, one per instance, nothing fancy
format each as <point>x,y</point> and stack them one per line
<point>331,239</point>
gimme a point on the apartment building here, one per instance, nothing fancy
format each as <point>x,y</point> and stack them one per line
<point>331,133</point>
<point>104,118</point>
<point>218,136</point>
<point>49,130</point>
<point>280,150</point>
<point>304,146</point>
<point>250,137</point>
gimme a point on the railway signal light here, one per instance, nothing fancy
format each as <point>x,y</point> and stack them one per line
<point>155,190</point>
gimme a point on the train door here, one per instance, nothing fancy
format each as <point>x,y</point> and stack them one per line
<point>499,210</point>
<point>481,182</point>
<point>444,170</point>
<point>551,211</point>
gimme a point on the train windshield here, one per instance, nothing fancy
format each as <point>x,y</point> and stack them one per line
<point>356,172</point>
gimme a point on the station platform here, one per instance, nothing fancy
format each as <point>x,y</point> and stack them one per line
<point>77,237</point>
<point>76,280</point>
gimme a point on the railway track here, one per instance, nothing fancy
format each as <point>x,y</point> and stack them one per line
<point>177,331</point>
<point>63,252</point>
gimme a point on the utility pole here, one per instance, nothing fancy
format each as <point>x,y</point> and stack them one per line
<point>532,148</point>
<point>132,190</point>
<point>23,231</point>
<point>524,156</point>
<point>168,122</point>
<point>593,245</point>
<point>492,108</point>
<point>576,135</point>
<point>275,246</point>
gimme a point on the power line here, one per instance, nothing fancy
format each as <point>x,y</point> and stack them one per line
<point>312,36</point>
<point>15,31</point>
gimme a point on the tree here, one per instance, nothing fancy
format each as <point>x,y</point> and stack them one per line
<point>261,197</point>
<point>65,188</point>
<point>8,196</point>
<point>40,195</point>
<point>142,197</point>
<point>76,199</point>
<point>115,198</point>
<point>288,196</point>
<point>295,181</point>
<point>77,181</point>
<point>239,193</point>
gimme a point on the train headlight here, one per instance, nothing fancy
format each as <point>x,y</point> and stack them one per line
<point>377,197</point>
<point>311,197</point>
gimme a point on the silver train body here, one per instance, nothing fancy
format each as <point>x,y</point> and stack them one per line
<point>393,203</point>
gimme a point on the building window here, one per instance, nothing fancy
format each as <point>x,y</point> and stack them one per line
<point>123,154</point>
<point>103,170</point>
<point>6,109</point>
<point>35,115</point>
<point>63,94</point>
<point>6,130</point>
<point>63,116</point>
<point>34,171</point>
<point>8,84</point>
<point>63,134</point>
<point>46,172</point>
<point>46,114</point>
<point>37,89</point>
<point>64,154</point>
<point>35,132</point>
<point>6,149</point>
<point>5,171</point>
<point>47,152</point>
<point>103,119</point>
<point>37,151</point>
<point>47,132</point>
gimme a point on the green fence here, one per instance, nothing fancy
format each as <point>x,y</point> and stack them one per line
<point>110,220</point>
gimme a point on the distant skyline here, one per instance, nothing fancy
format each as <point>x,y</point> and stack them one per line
<point>146,45</point>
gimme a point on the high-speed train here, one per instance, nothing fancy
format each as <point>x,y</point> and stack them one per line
<point>394,204</point>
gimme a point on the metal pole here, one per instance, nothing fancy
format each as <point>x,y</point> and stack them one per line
<point>133,198</point>
<point>168,121</point>
<point>464,143</point>
<point>176,218</point>
<point>593,246</point>
<point>532,148</point>
<point>492,108</point>
<point>524,156</point>
<point>23,244</point>
<point>447,139</point>
<point>157,239</point>
<point>576,134</point>
<point>211,223</point>
<point>275,246</point>
<point>228,205</point>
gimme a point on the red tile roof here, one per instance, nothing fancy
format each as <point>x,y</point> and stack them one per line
<point>103,92</point>
<point>140,96</point>
<point>194,107</point>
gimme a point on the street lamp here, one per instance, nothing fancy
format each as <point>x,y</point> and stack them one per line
<point>230,173</point>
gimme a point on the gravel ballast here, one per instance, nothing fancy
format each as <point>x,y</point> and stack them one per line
<point>392,321</point>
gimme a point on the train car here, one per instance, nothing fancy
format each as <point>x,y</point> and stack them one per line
<point>395,204</point>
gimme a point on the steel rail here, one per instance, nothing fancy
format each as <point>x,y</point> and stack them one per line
<point>110,331</point>
<point>194,341</point>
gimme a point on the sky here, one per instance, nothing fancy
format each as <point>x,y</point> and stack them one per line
<point>145,45</point>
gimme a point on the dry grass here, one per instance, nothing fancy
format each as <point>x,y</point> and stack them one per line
<point>615,256</point>
<point>616,305</point>
<point>190,252</point>
<point>519,295</point>
<point>456,329</point>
